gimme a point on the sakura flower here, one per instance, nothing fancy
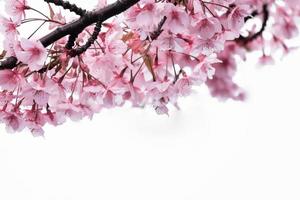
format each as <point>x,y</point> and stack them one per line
<point>70,110</point>
<point>40,92</point>
<point>225,89</point>
<point>160,106</point>
<point>9,46</point>
<point>111,99</point>
<point>8,27</point>
<point>58,17</point>
<point>32,53</point>
<point>135,95</point>
<point>13,121</point>
<point>116,47</point>
<point>38,96</point>
<point>102,68</point>
<point>148,17</point>
<point>222,85</point>
<point>5,98</point>
<point>236,17</point>
<point>177,19</point>
<point>208,46</point>
<point>183,86</point>
<point>208,27</point>
<point>16,9</point>
<point>54,118</point>
<point>162,109</point>
<point>266,60</point>
<point>286,29</point>
<point>9,79</point>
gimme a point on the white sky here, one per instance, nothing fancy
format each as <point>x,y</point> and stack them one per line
<point>208,150</point>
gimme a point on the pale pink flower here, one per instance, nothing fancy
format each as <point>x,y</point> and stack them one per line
<point>162,110</point>
<point>9,80</point>
<point>13,121</point>
<point>148,18</point>
<point>70,110</point>
<point>6,97</point>
<point>16,9</point>
<point>208,27</point>
<point>8,28</point>
<point>266,60</point>
<point>41,92</point>
<point>32,53</point>
<point>58,17</point>
<point>177,19</point>
<point>35,120</point>
<point>208,46</point>
<point>236,17</point>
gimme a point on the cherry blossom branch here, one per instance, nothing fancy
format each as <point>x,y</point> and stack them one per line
<point>79,25</point>
<point>73,8</point>
<point>91,40</point>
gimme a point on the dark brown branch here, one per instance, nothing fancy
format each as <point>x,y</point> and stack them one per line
<point>71,41</point>
<point>8,63</point>
<point>79,25</point>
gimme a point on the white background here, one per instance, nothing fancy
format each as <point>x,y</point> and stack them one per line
<point>208,150</point>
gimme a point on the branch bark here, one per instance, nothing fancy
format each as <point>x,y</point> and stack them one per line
<point>79,25</point>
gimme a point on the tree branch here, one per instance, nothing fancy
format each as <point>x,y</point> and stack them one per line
<point>91,40</point>
<point>79,25</point>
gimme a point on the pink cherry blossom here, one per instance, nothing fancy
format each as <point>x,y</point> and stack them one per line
<point>9,80</point>
<point>177,19</point>
<point>8,27</point>
<point>208,27</point>
<point>236,17</point>
<point>13,121</point>
<point>32,53</point>
<point>16,9</point>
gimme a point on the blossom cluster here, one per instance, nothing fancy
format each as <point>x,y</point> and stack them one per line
<point>152,54</point>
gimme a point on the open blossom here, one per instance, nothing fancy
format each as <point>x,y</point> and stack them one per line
<point>236,17</point>
<point>177,19</point>
<point>16,9</point>
<point>32,53</point>
<point>35,120</point>
<point>208,27</point>
<point>13,121</point>
<point>8,27</point>
<point>9,80</point>
<point>148,17</point>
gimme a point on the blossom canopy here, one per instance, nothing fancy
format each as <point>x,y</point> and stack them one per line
<point>147,52</point>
